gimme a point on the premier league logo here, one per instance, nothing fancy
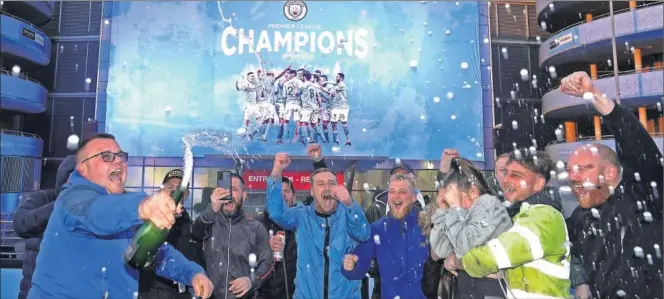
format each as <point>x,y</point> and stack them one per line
<point>295,10</point>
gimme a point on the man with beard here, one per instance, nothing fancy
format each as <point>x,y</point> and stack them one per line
<point>282,283</point>
<point>616,230</point>
<point>93,222</point>
<point>327,229</point>
<point>534,254</point>
<point>152,286</point>
<point>237,254</point>
<point>399,246</point>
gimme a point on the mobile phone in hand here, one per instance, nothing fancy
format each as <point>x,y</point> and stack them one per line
<point>224,180</point>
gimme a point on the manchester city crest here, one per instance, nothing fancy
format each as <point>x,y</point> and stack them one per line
<point>295,10</point>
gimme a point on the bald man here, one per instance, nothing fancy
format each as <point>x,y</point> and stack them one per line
<point>93,223</point>
<point>616,230</point>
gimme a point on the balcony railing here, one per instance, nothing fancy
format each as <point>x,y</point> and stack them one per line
<point>595,18</point>
<point>17,133</point>
<point>609,74</point>
<point>22,20</point>
<point>592,138</point>
<point>24,77</point>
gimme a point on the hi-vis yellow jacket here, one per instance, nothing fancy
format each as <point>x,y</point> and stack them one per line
<point>534,254</point>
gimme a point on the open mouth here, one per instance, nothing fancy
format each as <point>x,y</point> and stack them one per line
<point>397,204</point>
<point>328,198</point>
<point>115,176</point>
<point>508,190</point>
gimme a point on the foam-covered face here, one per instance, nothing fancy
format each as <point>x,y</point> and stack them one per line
<point>321,191</point>
<point>110,173</point>
<point>239,195</point>
<point>401,198</point>
<point>520,183</point>
<point>589,177</point>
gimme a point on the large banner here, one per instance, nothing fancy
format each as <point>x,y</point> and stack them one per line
<point>378,79</point>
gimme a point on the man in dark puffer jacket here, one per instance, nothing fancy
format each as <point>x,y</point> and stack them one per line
<point>31,219</point>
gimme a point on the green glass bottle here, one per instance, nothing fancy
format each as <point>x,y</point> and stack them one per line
<point>145,245</point>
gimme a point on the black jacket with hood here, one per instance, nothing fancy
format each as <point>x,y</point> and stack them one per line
<point>31,218</point>
<point>620,242</point>
<point>227,244</point>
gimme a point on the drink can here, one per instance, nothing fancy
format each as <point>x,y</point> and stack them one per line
<point>278,256</point>
<point>181,288</point>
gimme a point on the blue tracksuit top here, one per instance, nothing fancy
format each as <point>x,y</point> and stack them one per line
<point>400,250</point>
<point>81,256</point>
<point>347,227</point>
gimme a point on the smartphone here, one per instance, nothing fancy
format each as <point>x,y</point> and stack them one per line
<point>224,180</point>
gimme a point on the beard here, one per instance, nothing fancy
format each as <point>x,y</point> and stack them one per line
<point>326,203</point>
<point>234,208</point>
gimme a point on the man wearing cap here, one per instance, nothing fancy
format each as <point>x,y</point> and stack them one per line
<point>153,286</point>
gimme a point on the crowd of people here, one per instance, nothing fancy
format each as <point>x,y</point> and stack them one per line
<point>476,240</point>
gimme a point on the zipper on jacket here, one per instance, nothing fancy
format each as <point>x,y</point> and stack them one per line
<point>326,274</point>
<point>228,256</point>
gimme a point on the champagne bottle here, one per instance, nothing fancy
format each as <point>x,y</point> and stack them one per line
<point>145,245</point>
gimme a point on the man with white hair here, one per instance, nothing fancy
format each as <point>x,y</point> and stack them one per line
<point>616,230</point>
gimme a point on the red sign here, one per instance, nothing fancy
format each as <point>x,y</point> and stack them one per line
<point>257,179</point>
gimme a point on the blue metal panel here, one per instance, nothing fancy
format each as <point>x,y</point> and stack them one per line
<point>22,39</point>
<point>21,145</point>
<point>21,94</point>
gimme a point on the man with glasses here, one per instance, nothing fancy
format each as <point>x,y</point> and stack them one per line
<point>152,286</point>
<point>93,222</point>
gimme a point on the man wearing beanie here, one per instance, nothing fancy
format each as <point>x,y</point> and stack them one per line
<point>152,286</point>
<point>31,218</point>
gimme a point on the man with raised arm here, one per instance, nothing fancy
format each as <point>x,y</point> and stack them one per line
<point>93,223</point>
<point>329,228</point>
<point>616,231</point>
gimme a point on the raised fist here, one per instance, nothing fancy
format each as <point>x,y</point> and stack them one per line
<point>281,162</point>
<point>314,151</point>
<point>577,84</point>
<point>340,193</point>
<point>446,158</point>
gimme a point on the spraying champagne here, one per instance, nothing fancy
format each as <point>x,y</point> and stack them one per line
<point>145,245</point>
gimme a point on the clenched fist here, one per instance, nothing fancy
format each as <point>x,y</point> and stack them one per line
<point>202,286</point>
<point>446,159</point>
<point>349,262</point>
<point>340,193</point>
<point>281,162</point>
<point>314,151</point>
<point>159,209</point>
<point>579,84</point>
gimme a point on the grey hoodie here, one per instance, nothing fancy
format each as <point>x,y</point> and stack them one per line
<point>459,230</point>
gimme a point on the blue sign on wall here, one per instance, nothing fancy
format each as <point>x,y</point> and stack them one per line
<point>564,40</point>
<point>411,82</point>
<point>22,146</point>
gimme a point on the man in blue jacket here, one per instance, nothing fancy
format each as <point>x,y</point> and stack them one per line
<point>93,222</point>
<point>398,245</point>
<point>325,230</point>
<point>31,218</point>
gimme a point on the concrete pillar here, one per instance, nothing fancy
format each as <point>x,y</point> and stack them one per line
<point>632,5</point>
<point>651,126</point>
<point>570,131</point>
<point>597,123</point>
<point>637,60</point>
<point>593,71</point>
<point>643,117</point>
<point>16,123</point>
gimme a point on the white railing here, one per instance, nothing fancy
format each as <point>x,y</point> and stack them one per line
<point>21,76</point>
<point>18,133</point>
<point>592,138</point>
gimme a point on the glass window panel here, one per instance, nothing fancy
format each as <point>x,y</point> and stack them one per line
<point>196,196</point>
<point>134,189</point>
<point>202,176</point>
<point>155,175</point>
<point>134,176</point>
